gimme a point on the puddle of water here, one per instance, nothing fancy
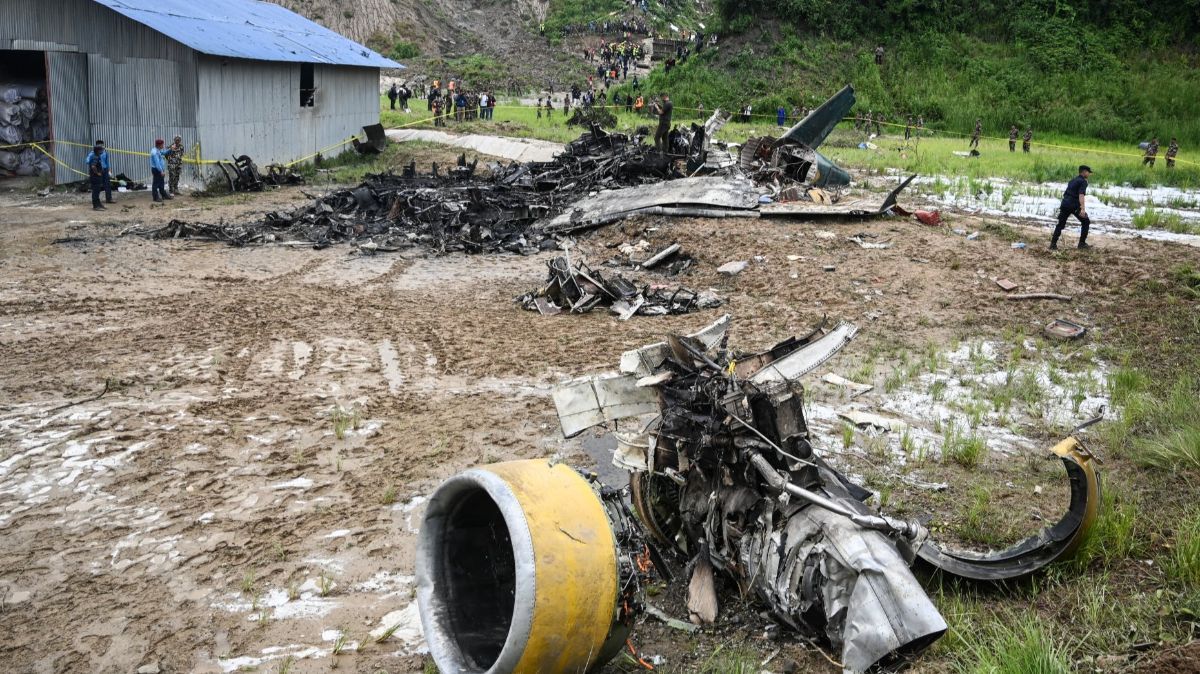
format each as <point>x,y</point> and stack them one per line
<point>977,391</point>
<point>1111,208</point>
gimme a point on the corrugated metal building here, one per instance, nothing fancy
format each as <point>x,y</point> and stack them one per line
<point>237,76</point>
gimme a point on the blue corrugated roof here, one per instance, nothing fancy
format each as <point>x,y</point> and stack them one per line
<point>248,29</point>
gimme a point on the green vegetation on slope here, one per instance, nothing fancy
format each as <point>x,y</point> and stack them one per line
<point>951,80</point>
<point>1082,25</point>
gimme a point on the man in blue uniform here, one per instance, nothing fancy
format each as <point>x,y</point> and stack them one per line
<point>96,175</point>
<point>1074,202</point>
<point>98,152</point>
<point>158,167</point>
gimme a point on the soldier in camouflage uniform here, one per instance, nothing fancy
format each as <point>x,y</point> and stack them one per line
<point>1172,150</point>
<point>1151,153</point>
<point>908,128</point>
<point>1012,138</point>
<point>878,129</point>
<point>978,132</point>
<point>1027,140</point>
<point>175,164</point>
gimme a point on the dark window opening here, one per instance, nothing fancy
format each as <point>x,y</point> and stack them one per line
<point>308,89</point>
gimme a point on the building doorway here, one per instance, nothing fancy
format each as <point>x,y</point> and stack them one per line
<point>24,114</point>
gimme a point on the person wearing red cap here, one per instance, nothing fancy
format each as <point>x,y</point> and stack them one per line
<point>158,166</point>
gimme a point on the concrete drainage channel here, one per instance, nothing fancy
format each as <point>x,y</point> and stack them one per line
<point>514,149</point>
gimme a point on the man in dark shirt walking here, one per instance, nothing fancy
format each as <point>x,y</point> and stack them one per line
<point>664,109</point>
<point>1074,202</point>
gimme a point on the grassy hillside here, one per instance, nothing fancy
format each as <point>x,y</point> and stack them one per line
<point>951,80</point>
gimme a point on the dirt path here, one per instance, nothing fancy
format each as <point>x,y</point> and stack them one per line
<point>516,149</point>
<point>246,489</point>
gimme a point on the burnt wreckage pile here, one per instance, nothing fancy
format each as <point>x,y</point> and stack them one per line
<point>454,209</point>
<point>724,473</point>
<point>578,288</point>
<point>522,207</point>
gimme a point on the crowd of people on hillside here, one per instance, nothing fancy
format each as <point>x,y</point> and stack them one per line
<point>634,25</point>
<point>613,59</point>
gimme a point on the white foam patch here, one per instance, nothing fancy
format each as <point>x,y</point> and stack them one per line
<point>278,605</point>
<point>297,483</point>
<point>1063,400</point>
<point>405,627</point>
<point>294,651</point>
<point>386,583</point>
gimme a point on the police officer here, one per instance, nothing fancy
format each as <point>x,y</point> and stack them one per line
<point>158,168</point>
<point>1012,138</point>
<point>96,175</point>
<point>1074,202</point>
<point>98,152</point>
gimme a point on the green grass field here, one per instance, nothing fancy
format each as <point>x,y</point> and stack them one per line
<point>1051,159</point>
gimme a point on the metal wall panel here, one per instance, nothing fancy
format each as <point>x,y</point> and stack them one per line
<point>67,86</point>
<point>142,85</point>
<point>86,25</point>
<point>253,107</point>
<point>133,101</point>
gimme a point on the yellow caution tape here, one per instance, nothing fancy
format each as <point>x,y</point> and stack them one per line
<point>56,160</point>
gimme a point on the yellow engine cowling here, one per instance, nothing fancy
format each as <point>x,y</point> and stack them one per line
<point>517,571</point>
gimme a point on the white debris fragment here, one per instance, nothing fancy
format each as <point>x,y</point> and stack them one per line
<point>403,625</point>
<point>298,483</point>
<point>733,268</point>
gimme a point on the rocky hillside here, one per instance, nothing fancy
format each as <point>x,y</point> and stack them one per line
<point>447,28</point>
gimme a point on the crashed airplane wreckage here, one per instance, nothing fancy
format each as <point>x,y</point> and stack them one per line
<point>578,288</point>
<point>599,178</point>
<point>530,566</point>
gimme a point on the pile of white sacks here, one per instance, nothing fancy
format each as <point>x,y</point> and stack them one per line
<point>24,118</point>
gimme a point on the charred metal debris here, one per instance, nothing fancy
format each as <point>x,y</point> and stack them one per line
<point>456,208</point>
<point>577,288</point>
<point>724,474</point>
<point>598,178</point>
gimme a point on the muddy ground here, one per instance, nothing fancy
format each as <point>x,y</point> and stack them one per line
<point>214,459</point>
